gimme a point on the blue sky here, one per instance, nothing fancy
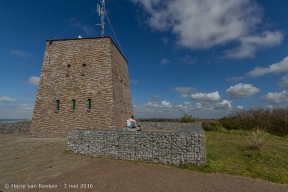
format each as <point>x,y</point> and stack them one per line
<point>204,58</point>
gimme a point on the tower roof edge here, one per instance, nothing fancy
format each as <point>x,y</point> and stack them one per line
<point>49,40</point>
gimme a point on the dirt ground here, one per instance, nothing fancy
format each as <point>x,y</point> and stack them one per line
<point>44,165</point>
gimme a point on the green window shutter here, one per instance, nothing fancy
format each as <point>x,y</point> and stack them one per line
<point>73,104</point>
<point>57,104</point>
<point>89,103</point>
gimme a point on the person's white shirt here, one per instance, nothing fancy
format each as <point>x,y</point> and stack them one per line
<point>129,121</point>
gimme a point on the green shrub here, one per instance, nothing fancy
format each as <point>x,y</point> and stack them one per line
<point>274,120</point>
<point>212,126</point>
<point>25,121</point>
<point>187,119</point>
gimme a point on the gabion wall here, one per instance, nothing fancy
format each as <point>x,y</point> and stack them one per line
<point>183,147</point>
<point>7,128</point>
<point>162,125</point>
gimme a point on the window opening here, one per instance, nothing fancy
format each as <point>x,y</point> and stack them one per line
<point>67,72</point>
<point>89,103</point>
<point>83,69</point>
<point>57,104</point>
<point>73,104</point>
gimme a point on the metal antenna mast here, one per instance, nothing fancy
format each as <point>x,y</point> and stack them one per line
<point>101,12</point>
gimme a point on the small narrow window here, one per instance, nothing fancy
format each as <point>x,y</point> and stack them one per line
<point>73,104</point>
<point>89,103</point>
<point>57,104</point>
<point>67,71</point>
<point>83,69</point>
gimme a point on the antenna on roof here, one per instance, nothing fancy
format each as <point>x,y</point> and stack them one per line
<point>101,12</point>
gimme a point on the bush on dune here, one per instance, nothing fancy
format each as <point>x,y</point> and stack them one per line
<point>187,119</point>
<point>275,120</point>
<point>212,126</point>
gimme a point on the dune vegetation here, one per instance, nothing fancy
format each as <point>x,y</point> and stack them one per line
<point>252,143</point>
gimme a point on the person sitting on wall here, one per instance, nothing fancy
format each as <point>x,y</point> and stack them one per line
<point>131,123</point>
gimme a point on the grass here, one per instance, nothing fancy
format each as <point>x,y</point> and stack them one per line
<point>25,121</point>
<point>230,152</point>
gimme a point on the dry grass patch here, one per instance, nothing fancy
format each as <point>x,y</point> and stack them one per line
<point>258,139</point>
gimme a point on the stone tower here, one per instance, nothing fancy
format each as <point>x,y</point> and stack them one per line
<point>84,84</point>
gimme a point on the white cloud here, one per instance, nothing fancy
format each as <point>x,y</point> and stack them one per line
<point>198,105</point>
<point>204,24</point>
<point>225,104</point>
<point>153,98</point>
<point>184,91</point>
<point>184,96</point>
<point>166,109</point>
<point>275,68</point>
<point>239,78</point>
<point>242,90</point>
<point>22,111</point>
<point>5,99</point>
<point>186,103</point>
<point>188,59</point>
<point>249,45</point>
<point>206,97</point>
<point>240,107</point>
<point>165,103</point>
<point>284,82</point>
<point>33,80</point>
<point>165,40</point>
<point>165,61</point>
<point>20,53</point>
<point>276,98</point>
<point>133,81</point>
<point>24,107</point>
<point>75,23</point>
<point>270,106</point>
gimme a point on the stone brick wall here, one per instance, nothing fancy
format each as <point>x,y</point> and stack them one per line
<point>8,128</point>
<point>81,69</point>
<point>182,147</point>
<point>121,85</point>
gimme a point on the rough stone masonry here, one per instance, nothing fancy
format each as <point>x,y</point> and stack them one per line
<point>84,84</point>
<point>8,128</point>
<point>182,147</point>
